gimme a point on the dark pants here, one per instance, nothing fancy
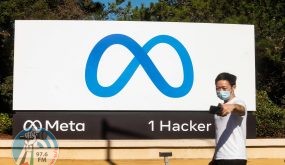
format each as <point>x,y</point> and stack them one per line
<point>229,162</point>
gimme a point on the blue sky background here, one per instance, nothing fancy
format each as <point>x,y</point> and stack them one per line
<point>134,2</point>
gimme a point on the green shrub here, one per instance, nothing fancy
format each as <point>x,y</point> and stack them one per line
<point>5,123</point>
<point>6,94</point>
<point>270,119</point>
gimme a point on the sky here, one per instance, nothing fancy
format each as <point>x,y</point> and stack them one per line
<point>133,2</point>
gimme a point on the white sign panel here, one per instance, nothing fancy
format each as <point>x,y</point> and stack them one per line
<point>109,65</point>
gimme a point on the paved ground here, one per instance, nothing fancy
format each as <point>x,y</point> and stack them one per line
<point>6,161</point>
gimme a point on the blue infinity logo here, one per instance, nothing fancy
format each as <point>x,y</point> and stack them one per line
<point>140,58</point>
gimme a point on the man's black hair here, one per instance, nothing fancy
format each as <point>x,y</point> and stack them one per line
<point>226,76</point>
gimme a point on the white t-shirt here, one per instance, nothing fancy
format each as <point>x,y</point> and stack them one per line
<point>231,134</point>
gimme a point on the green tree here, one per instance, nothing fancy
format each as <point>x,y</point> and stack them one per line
<point>268,17</point>
<point>12,10</point>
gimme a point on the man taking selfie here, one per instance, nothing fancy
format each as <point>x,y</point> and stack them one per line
<point>230,124</point>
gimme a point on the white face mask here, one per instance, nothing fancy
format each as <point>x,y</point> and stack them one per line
<point>224,95</point>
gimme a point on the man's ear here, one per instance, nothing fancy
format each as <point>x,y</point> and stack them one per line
<point>234,87</point>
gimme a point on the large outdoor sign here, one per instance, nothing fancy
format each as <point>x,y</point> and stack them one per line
<point>109,65</point>
<point>127,80</point>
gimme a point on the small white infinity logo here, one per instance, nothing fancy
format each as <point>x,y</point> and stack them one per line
<point>36,125</point>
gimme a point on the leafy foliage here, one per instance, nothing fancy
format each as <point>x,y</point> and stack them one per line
<point>5,123</point>
<point>12,10</point>
<point>270,118</point>
<point>268,17</point>
<point>6,92</point>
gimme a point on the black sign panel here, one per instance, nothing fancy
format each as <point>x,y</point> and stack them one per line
<point>123,124</point>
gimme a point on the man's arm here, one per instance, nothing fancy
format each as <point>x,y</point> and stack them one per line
<point>234,108</point>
